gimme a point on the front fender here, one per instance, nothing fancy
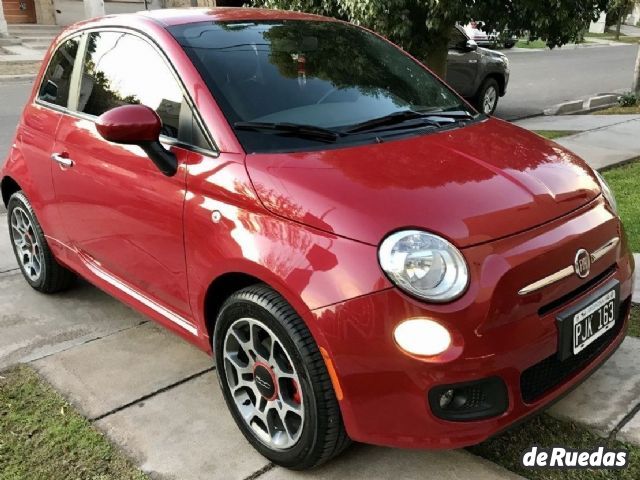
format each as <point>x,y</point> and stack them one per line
<point>228,230</point>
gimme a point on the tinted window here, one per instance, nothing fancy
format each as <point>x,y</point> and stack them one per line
<point>458,39</point>
<point>120,69</point>
<point>57,79</point>
<point>323,74</point>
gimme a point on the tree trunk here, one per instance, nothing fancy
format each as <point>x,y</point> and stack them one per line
<point>619,26</point>
<point>438,50</point>
<point>437,59</point>
<point>636,76</point>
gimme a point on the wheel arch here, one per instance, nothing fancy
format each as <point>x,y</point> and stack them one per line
<point>498,77</point>
<point>219,290</point>
<point>8,186</point>
<point>228,283</point>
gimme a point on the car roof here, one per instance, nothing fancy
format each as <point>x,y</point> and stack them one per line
<point>179,16</point>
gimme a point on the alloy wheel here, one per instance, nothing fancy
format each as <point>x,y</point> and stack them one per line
<point>27,245</point>
<point>489,101</point>
<point>264,383</point>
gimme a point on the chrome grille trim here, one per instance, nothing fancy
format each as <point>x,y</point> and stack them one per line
<point>603,250</point>
<point>568,271</point>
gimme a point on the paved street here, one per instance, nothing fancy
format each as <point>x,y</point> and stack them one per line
<point>542,79</point>
<point>12,100</point>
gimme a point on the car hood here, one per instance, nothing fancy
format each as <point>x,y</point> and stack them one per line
<point>491,53</point>
<point>471,185</point>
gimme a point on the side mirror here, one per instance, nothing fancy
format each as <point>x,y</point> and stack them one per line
<point>138,125</point>
<point>471,45</point>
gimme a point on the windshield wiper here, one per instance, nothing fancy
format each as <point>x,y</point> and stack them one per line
<point>456,115</point>
<point>391,119</point>
<point>291,129</point>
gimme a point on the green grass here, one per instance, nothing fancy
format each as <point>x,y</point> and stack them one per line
<point>43,437</point>
<point>634,325</point>
<point>617,110</point>
<point>552,134</point>
<point>611,36</point>
<point>606,34</point>
<point>545,431</point>
<point>625,183</point>
<point>524,43</point>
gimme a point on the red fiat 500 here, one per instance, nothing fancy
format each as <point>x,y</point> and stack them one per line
<point>366,256</point>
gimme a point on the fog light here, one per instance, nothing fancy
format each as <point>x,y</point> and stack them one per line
<point>484,398</point>
<point>421,336</point>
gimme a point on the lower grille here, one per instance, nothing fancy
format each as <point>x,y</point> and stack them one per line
<point>551,372</point>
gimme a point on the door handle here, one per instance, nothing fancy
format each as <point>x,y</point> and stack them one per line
<point>62,160</point>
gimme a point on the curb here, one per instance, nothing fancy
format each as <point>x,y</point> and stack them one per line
<point>18,61</point>
<point>569,46</point>
<point>590,104</point>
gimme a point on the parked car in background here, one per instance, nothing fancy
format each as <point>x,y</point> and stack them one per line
<point>474,31</point>
<point>478,74</point>
<point>504,38</point>
<point>494,38</point>
<point>365,256</point>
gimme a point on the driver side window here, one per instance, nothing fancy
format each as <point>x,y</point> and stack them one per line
<point>457,40</point>
<point>121,68</point>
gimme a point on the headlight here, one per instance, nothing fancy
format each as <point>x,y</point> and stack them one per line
<point>421,336</point>
<point>424,265</point>
<point>606,192</point>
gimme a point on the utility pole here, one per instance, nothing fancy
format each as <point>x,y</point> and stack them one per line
<point>93,8</point>
<point>4,31</point>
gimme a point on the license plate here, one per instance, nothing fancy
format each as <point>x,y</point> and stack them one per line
<point>581,325</point>
<point>593,321</point>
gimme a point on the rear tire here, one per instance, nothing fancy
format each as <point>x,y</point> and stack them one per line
<point>275,381</point>
<point>39,268</point>
<point>486,100</point>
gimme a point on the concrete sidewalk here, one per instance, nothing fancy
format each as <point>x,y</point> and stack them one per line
<point>603,141</point>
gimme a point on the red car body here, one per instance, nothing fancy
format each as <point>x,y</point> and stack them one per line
<point>309,224</point>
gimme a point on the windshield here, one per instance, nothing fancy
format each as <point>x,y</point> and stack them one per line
<point>271,78</point>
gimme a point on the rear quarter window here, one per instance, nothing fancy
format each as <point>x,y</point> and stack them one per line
<point>57,79</point>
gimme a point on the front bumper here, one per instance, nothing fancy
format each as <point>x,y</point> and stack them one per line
<point>496,333</point>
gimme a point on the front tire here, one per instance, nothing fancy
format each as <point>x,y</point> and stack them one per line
<point>275,381</point>
<point>487,98</point>
<point>39,268</point>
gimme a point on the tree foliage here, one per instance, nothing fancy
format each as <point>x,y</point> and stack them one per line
<point>423,27</point>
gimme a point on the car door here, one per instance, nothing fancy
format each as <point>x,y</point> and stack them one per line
<point>122,215</point>
<point>36,136</point>
<point>462,64</point>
